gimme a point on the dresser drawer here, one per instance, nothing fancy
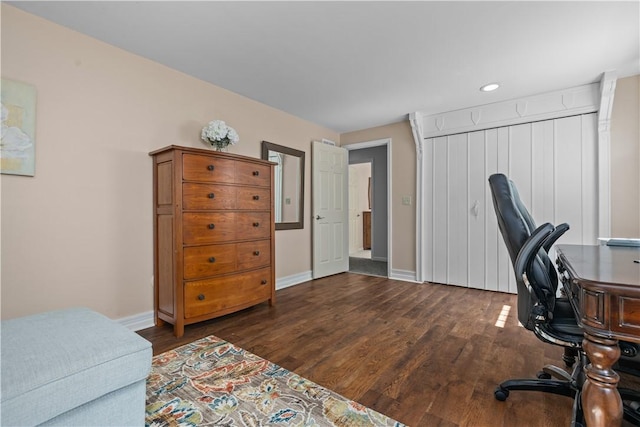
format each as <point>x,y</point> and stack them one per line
<point>253,254</point>
<point>204,261</point>
<point>207,296</point>
<point>253,225</point>
<point>221,227</point>
<point>208,227</point>
<point>253,198</point>
<point>253,174</point>
<point>208,169</point>
<point>208,196</point>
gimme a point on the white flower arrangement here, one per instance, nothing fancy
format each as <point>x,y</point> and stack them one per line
<point>219,135</point>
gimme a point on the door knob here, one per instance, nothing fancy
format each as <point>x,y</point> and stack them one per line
<point>319,217</point>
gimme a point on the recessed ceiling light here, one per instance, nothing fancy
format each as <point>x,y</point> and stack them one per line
<point>489,87</point>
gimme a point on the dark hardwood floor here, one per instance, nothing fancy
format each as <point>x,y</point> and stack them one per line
<point>423,354</point>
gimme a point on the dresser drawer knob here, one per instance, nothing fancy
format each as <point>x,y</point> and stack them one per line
<point>256,197</point>
<point>201,297</point>
<point>210,167</point>
<point>212,226</point>
<point>212,259</point>
<point>211,195</point>
<point>256,224</point>
<point>264,282</point>
<point>256,173</point>
<point>256,253</point>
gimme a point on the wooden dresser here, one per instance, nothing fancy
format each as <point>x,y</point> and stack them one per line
<point>213,226</point>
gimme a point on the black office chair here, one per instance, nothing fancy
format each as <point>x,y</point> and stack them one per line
<point>570,353</point>
<point>540,310</point>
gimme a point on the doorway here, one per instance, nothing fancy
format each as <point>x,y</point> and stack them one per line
<point>360,210</point>
<point>369,210</point>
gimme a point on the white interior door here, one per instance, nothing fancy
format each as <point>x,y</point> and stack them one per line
<point>330,170</point>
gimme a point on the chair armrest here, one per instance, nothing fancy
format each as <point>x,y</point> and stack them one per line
<point>528,253</point>
<point>555,235</point>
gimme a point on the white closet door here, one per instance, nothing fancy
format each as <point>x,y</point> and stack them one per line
<point>554,166</point>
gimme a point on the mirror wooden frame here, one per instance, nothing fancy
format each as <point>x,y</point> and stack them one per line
<point>268,146</point>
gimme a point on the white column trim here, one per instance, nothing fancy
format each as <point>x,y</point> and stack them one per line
<point>416,119</point>
<point>607,91</point>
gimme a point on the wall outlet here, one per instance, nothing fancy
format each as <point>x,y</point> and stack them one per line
<point>406,200</point>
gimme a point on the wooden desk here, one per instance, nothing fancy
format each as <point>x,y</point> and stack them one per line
<point>603,285</point>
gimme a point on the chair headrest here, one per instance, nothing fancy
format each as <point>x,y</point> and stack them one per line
<point>513,226</point>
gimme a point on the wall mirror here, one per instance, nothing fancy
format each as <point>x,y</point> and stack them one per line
<point>288,184</point>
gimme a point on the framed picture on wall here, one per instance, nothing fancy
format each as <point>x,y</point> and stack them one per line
<point>18,144</point>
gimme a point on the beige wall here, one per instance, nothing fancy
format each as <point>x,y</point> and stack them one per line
<point>625,159</point>
<point>403,182</point>
<point>80,231</point>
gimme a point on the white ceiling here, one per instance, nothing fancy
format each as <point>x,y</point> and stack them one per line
<point>355,65</point>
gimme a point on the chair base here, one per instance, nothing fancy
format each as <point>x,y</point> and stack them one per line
<point>563,388</point>
<point>630,405</point>
<point>569,356</point>
<point>553,371</point>
<point>559,387</point>
<point>630,398</point>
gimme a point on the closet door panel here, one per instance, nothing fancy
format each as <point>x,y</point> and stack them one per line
<point>440,210</point>
<point>520,156</point>
<point>427,159</point>
<point>506,283</point>
<point>477,208</point>
<point>542,181</point>
<point>457,178</point>
<point>568,200</point>
<point>493,239</point>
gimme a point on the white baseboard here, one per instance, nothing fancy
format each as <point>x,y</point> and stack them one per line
<point>404,275</point>
<point>146,319</point>
<point>138,321</point>
<point>295,279</point>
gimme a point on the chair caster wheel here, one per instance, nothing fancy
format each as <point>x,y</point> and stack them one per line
<point>501,394</point>
<point>542,375</point>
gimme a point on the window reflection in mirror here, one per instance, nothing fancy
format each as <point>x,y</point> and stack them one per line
<point>288,184</point>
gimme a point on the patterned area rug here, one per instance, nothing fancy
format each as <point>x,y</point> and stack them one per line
<point>211,382</point>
